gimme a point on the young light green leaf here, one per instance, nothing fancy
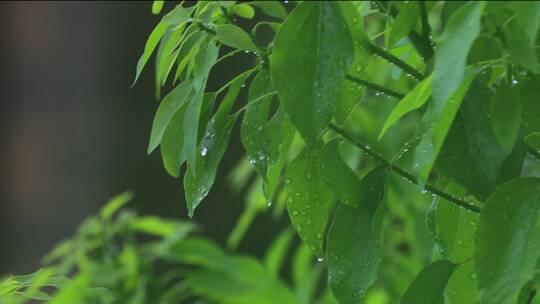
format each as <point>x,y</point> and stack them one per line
<point>271,8</point>
<point>436,122</point>
<point>244,10</point>
<point>412,101</point>
<point>115,203</point>
<point>505,116</point>
<point>405,21</point>
<point>428,287</point>
<point>452,49</point>
<point>308,200</point>
<point>354,237</point>
<point>312,53</point>
<point>166,56</point>
<point>157,6</point>
<point>471,141</point>
<point>151,44</point>
<point>167,108</point>
<point>236,37</point>
<point>508,240</point>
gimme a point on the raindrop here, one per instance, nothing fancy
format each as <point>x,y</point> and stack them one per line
<point>320,259</point>
<point>204,151</point>
<point>268,203</point>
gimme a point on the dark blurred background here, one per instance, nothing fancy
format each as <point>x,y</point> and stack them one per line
<point>73,133</point>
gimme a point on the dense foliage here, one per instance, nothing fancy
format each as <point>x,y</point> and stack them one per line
<point>401,138</point>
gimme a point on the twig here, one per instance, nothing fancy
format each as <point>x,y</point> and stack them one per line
<point>396,61</point>
<point>376,155</point>
<point>375,86</point>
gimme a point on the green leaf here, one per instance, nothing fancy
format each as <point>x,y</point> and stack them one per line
<point>201,174</point>
<point>428,287</point>
<point>244,10</point>
<point>527,17</point>
<point>115,203</point>
<point>522,51</point>
<point>508,240</point>
<point>166,56</point>
<point>157,6</point>
<point>462,286</point>
<point>350,92</point>
<point>405,21</point>
<point>308,200</point>
<point>354,237</point>
<point>161,227</point>
<point>179,15</point>
<point>235,37</point>
<point>204,61</point>
<point>312,53</point>
<point>412,101</point>
<point>436,122</point>
<point>271,8</point>
<point>471,155</point>
<point>528,93</point>
<point>533,143</point>
<point>452,49</point>
<point>172,143</point>
<point>266,142</point>
<point>505,116</point>
<point>166,110</point>
<point>151,44</point>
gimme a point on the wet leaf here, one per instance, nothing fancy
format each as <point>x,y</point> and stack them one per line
<point>428,287</point>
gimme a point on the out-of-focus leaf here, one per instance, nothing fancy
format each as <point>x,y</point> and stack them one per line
<point>522,51</point>
<point>354,237</point>
<point>151,44</point>
<point>276,253</point>
<point>115,203</point>
<point>236,37</point>
<point>271,8</point>
<point>527,17</point>
<point>315,46</point>
<point>508,240</point>
<point>244,10</point>
<point>428,287</point>
<point>505,116</point>
<point>157,5</point>
<point>533,143</point>
<point>412,101</point>
<point>161,227</point>
<point>166,110</point>
<point>405,21</point>
<point>471,155</point>
<point>308,200</point>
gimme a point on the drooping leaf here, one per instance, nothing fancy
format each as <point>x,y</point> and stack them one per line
<point>151,44</point>
<point>172,143</point>
<point>179,15</point>
<point>428,287</point>
<point>266,142</point>
<point>471,155</point>
<point>505,116</point>
<point>508,240</point>
<point>354,237</point>
<point>204,60</point>
<point>308,200</point>
<point>201,174</point>
<point>436,122</point>
<point>166,110</point>
<point>412,101</point>
<point>451,53</point>
<point>276,253</point>
<point>236,37</point>
<point>405,21</point>
<point>312,53</point>
<point>271,8</point>
<point>350,92</point>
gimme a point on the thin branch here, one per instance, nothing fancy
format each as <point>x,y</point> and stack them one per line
<point>376,155</point>
<point>426,29</point>
<point>375,86</point>
<point>396,61</point>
